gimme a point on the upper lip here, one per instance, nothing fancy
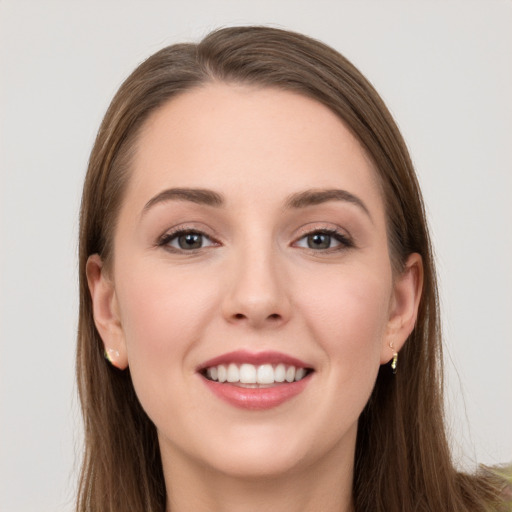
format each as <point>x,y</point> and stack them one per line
<point>255,358</point>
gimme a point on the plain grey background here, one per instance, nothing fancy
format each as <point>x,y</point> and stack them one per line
<point>443,67</point>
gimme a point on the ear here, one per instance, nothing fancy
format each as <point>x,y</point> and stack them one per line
<point>404,305</point>
<point>106,312</point>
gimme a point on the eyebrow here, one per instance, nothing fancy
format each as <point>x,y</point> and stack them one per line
<point>295,201</point>
<point>314,197</point>
<point>194,195</point>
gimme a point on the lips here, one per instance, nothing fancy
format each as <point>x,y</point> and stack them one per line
<point>255,380</point>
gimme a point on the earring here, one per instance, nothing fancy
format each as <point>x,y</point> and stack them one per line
<point>111,355</point>
<point>394,361</point>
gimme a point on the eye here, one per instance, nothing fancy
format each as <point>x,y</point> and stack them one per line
<point>186,240</point>
<point>323,240</point>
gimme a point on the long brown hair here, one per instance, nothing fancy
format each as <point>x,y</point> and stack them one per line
<point>402,455</point>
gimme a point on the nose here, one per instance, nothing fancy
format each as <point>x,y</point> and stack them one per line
<point>258,291</point>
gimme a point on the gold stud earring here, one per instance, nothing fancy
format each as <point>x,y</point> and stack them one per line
<point>394,361</point>
<point>111,355</point>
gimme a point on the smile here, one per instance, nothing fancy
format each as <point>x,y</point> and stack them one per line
<point>250,374</point>
<point>255,381</point>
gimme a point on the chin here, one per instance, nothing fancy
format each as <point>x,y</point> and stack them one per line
<point>268,451</point>
<point>258,461</point>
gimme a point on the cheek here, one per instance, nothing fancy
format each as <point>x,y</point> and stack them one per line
<point>163,314</point>
<point>348,316</point>
<point>157,303</point>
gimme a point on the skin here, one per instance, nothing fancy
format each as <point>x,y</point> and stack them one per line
<point>255,285</point>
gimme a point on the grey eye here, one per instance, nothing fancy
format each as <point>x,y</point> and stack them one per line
<point>319,241</point>
<point>322,240</point>
<point>190,241</point>
<point>187,240</point>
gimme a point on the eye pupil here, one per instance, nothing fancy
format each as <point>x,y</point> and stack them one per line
<point>190,241</point>
<point>319,241</point>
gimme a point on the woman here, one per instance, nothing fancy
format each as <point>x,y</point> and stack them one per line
<point>256,268</point>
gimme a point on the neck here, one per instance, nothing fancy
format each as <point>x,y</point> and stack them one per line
<point>324,485</point>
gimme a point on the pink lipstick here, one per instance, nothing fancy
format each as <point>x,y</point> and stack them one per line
<point>255,381</point>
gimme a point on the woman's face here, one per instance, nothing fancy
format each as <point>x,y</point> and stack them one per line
<point>251,245</point>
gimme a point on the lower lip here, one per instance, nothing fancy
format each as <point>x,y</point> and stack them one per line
<point>257,399</point>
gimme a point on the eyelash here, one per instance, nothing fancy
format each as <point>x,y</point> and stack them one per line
<point>344,241</point>
<point>165,240</point>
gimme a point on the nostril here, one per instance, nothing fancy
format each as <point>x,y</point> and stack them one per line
<point>272,317</point>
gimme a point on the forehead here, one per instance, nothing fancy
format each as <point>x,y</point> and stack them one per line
<point>249,140</point>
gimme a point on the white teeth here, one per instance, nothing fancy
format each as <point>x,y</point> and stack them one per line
<point>222,373</point>
<point>266,374</point>
<point>250,374</point>
<point>233,373</point>
<point>280,373</point>
<point>299,374</point>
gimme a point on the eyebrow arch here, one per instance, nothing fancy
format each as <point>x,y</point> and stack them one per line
<point>314,197</point>
<point>194,195</point>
